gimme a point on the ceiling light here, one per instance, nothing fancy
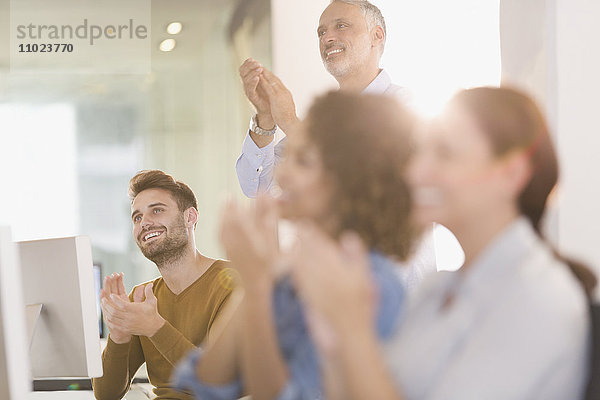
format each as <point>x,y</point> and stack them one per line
<point>174,28</point>
<point>167,45</point>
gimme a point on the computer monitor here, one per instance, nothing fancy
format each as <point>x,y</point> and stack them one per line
<point>97,289</point>
<point>58,274</point>
<point>14,361</point>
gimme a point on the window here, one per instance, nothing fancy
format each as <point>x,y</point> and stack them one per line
<point>436,47</point>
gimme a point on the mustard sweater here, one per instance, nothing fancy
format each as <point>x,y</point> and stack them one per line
<point>189,316</point>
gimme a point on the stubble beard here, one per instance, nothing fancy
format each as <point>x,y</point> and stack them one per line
<point>354,59</point>
<point>171,249</point>
<point>338,68</point>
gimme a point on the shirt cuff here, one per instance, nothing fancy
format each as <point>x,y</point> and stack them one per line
<point>257,157</point>
<point>185,378</point>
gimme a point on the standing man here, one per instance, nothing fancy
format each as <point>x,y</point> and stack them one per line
<point>351,36</point>
<point>162,320</point>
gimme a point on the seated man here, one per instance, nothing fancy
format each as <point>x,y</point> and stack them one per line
<point>162,320</point>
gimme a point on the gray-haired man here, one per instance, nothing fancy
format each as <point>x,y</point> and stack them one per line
<point>352,36</point>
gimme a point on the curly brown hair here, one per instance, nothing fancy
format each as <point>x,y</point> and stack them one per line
<point>365,143</point>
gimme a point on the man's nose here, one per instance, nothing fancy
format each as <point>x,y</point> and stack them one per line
<point>328,37</point>
<point>146,222</point>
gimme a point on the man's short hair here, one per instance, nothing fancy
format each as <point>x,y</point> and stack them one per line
<point>372,14</point>
<point>157,179</point>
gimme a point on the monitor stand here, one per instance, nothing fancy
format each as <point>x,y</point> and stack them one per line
<point>32,314</point>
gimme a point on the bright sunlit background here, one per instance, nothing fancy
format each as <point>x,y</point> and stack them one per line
<point>436,47</point>
<point>72,142</point>
<point>39,164</point>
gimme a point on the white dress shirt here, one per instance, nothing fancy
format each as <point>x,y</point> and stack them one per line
<point>255,165</point>
<point>255,168</point>
<point>517,328</point>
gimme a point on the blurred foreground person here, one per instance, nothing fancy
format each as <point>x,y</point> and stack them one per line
<point>331,179</point>
<point>513,323</point>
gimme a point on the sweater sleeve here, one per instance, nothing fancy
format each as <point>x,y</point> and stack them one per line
<point>171,343</point>
<point>120,362</point>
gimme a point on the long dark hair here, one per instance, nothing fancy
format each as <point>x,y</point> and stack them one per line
<point>512,120</point>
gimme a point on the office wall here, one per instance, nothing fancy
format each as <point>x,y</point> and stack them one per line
<point>578,86</point>
<point>431,53</point>
<point>295,53</point>
<point>551,48</point>
<point>188,116</point>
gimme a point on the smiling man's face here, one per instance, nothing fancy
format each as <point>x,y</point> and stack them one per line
<point>344,39</point>
<point>158,225</point>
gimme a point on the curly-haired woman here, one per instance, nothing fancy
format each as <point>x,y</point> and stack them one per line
<point>329,178</point>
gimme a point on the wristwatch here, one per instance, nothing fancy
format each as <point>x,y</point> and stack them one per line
<point>260,131</point>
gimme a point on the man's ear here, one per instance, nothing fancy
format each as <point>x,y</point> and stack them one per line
<point>377,36</point>
<point>191,217</point>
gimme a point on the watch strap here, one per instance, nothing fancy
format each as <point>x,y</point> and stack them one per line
<point>258,130</point>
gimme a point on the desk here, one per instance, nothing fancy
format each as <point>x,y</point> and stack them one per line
<point>134,394</point>
<point>59,395</point>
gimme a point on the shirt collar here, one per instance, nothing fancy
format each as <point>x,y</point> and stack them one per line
<point>380,84</point>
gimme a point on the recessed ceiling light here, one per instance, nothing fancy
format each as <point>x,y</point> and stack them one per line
<point>167,45</point>
<point>174,28</point>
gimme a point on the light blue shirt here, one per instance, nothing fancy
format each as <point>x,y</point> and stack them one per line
<point>517,328</point>
<point>255,165</point>
<point>295,343</point>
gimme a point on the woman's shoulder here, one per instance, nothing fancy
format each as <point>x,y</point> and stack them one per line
<point>550,286</point>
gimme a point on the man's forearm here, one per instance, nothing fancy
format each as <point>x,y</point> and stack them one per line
<point>264,369</point>
<point>116,378</point>
<point>171,343</point>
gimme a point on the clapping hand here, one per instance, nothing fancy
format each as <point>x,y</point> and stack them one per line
<point>281,101</point>
<point>334,282</point>
<point>250,72</point>
<point>113,285</point>
<point>127,318</point>
<point>249,237</point>
<point>273,101</point>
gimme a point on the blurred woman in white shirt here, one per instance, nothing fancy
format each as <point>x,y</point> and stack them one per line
<point>513,323</point>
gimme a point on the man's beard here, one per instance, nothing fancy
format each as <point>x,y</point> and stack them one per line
<point>353,60</point>
<point>338,68</point>
<point>171,248</point>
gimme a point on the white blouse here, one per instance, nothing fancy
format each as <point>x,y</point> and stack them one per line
<point>517,328</point>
